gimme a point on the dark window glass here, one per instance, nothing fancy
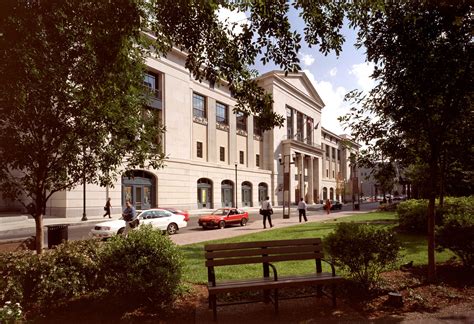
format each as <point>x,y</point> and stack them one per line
<point>289,123</point>
<point>299,126</point>
<point>339,155</point>
<point>222,153</point>
<point>327,151</point>
<point>257,160</point>
<point>199,106</point>
<point>221,113</point>
<point>199,149</point>
<point>333,153</point>
<point>241,156</point>
<point>309,130</point>
<point>241,121</point>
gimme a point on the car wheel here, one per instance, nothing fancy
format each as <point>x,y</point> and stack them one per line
<point>221,224</point>
<point>243,222</point>
<point>120,231</point>
<point>172,229</point>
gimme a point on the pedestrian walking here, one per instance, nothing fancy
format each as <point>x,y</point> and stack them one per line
<point>129,216</point>
<point>328,206</point>
<point>107,208</point>
<point>302,209</point>
<point>266,211</point>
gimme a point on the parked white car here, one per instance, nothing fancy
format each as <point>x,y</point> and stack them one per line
<point>158,218</point>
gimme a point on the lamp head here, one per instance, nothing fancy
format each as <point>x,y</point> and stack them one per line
<point>279,158</point>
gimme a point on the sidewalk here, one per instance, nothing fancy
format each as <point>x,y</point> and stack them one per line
<point>200,235</point>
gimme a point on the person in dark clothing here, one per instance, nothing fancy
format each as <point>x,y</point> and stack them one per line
<point>302,209</point>
<point>107,208</point>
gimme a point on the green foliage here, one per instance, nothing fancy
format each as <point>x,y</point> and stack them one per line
<point>412,214</point>
<point>10,313</point>
<point>143,268</point>
<point>457,235</point>
<point>40,281</point>
<point>364,251</point>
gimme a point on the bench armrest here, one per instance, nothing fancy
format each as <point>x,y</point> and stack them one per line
<point>275,275</point>
<point>332,267</point>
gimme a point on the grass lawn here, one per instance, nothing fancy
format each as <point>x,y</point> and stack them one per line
<point>414,248</point>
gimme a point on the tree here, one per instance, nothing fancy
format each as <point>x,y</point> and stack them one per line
<point>71,98</point>
<point>421,108</point>
<point>71,95</point>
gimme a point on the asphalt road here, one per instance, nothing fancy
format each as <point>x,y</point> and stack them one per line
<point>81,231</point>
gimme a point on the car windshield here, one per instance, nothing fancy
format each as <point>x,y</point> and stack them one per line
<point>220,212</point>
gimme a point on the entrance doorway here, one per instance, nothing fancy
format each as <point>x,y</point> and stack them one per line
<point>227,193</point>
<point>246,194</point>
<point>139,187</point>
<point>204,193</point>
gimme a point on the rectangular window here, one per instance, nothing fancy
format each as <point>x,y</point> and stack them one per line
<point>222,153</point>
<point>241,121</point>
<point>241,157</point>
<point>333,153</point>
<point>152,82</point>
<point>199,106</point>
<point>222,113</point>
<point>289,123</point>
<point>256,127</point>
<point>339,155</point>
<point>327,173</point>
<point>299,126</point>
<point>257,160</point>
<point>327,151</point>
<point>309,130</point>
<point>333,174</point>
<point>199,149</point>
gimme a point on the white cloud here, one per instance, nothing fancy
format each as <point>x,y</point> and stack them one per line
<point>333,71</point>
<point>362,74</point>
<point>308,59</point>
<point>333,98</point>
<point>228,17</point>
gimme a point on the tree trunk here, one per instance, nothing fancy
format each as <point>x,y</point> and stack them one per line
<point>431,239</point>
<point>39,233</point>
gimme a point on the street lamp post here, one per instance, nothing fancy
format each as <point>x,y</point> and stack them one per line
<point>286,182</point>
<point>235,163</point>
<point>84,216</point>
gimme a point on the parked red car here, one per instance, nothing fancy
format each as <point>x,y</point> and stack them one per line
<point>178,212</point>
<point>222,217</point>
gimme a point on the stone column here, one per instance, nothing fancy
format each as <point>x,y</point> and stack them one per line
<point>310,180</point>
<point>301,175</point>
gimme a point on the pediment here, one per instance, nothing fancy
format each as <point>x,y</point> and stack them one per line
<point>301,82</point>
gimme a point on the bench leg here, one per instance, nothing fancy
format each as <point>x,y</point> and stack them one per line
<point>319,291</point>
<point>276,301</point>
<point>213,302</point>
<point>266,296</point>
<point>334,295</point>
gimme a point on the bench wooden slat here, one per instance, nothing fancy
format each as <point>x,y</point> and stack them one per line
<point>264,259</point>
<point>260,251</point>
<point>259,244</point>
<point>269,283</point>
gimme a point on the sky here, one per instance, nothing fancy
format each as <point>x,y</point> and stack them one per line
<point>331,76</point>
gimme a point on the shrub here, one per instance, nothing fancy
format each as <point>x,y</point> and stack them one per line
<point>457,235</point>
<point>412,215</point>
<point>39,281</point>
<point>143,268</point>
<point>364,251</point>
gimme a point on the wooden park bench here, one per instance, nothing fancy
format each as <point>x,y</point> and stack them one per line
<point>267,253</point>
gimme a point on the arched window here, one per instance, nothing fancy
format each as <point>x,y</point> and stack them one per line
<point>262,191</point>
<point>331,193</point>
<point>325,193</point>
<point>139,187</point>
<point>246,194</point>
<point>204,193</point>
<point>227,193</point>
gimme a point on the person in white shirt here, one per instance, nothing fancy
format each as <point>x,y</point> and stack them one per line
<point>266,211</point>
<point>302,209</point>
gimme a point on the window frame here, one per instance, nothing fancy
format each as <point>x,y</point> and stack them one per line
<point>222,153</point>
<point>219,119</point>
<point>203,111</point>
<point>199,149</point>
<point>241,157</point>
